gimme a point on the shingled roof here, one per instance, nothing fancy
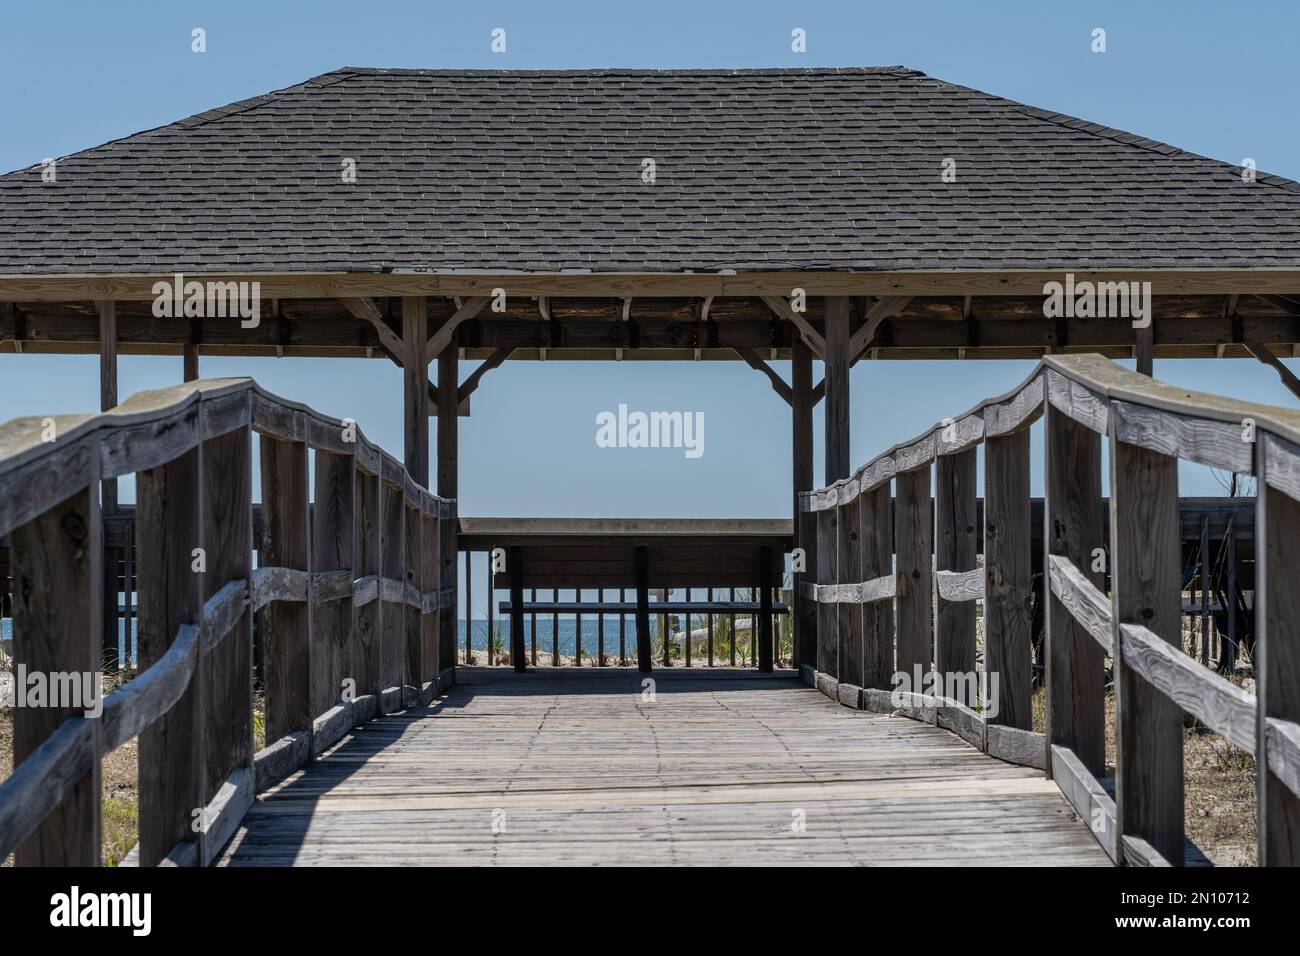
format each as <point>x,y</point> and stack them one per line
<point>542,171</point>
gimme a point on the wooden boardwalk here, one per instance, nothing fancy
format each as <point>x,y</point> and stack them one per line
<point>577,767</point>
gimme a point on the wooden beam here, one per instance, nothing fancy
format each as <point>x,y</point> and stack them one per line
<point>366,309</point>
<point>1265,355</point>
<point>416,387</point>
<point>447,330</point>
<point>641,562</point>
<point>107,314</point>
<point>811,336</point>
<point>804,618</point>
<point>753,361</point>
<point>836,356</point>
<point>467,387</point>
<point>880,310</point>
<point>1144,350</point>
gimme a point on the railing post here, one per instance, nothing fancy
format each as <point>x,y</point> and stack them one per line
<point>1008,577</point>
<point>58,586</point>
<point>828,639</point>
<point>333,537</point>
<point>368,636</point>
<point>168,529</point>
<point>517,657</point>
<point>227,547</point>
<point>1277,655</point>
<point>430,621</point>
<point>413,676</point>
<point>954,550</point>
<point>392,615</point>
<point>877,561</point>
<point>449,557</point>
<point>848,563</point>
<point>915,595</point>
<point>1146,562</point>
<point>764,611</point>
<point>641,565</point>
<point>286,632</point>
<point>1073,529</point>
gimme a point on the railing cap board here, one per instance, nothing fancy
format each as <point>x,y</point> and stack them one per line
<point>1086,376</point>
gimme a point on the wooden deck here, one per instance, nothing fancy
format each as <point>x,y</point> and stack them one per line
<point>576,767</point>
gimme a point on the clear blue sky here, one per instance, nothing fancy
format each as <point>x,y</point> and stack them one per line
<point>1212,78</point>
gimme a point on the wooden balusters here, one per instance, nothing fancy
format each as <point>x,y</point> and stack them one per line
<point>516,562</point>
<point>413,672</point>
<point>430,582</point>
<point>57,570</point>
<point>828,643</point>
<point>764,612</point>
<point>367,638</point>
<point>392,615</point>
<point>1073,529</point>
<point>955,540</point>
<point>877,525</point>
<point>915,594</point>
<point>333,554</point>
<point>848,570</point>
<point>168,529</point>
<point>1008,577</point>
<point>285,625</point>
<point>1146,566</point>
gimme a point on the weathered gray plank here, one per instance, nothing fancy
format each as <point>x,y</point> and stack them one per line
<point>1008,575</point>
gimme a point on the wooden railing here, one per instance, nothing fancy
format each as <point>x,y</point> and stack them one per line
<point>885,603</point>
<point>354,594</point>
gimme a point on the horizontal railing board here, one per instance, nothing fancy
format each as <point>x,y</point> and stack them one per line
<point>1088,797</point>
<point>960,585</point>
<point>1213,699</point>
<point>222,612</point>
<point>866,592</point>
<point>44,779</point>
<point>134,706</point>
<point>1086,604</point>
<point>629,607</point>
<point>1282,744</point>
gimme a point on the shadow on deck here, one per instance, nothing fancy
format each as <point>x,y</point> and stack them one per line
<point>727,767</point>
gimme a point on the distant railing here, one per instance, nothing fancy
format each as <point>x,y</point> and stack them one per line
<point>884,604</point>
<point>352,591</point>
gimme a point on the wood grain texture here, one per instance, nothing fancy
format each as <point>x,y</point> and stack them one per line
<point>333,534</point>
<point>1087,605</point>
<point>828,642</point>
<point>878,563</point>
<point>168,528</point>
<point>1146,564</point>
<point>912,540</point>
<point>580,769</point>
<point>805,528</point>
<point>837,389</point>
<point>848,564</point>
<point>1008,576</point>
<point>367,638</point>
<point>59,553</point>
<point>1073,524</point>
<point>286,625</point>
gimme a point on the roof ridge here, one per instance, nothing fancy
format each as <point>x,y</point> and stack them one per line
<point>1125,137</point>
<point>897,70</point>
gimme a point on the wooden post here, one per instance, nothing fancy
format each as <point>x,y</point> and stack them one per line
<point>190,362</point>
<point>332,542</point>
<point>955,540</point>
<point>600,630</point>
<point>449,558</point>
<point>837,388</point>
<point>286,630</point>
<point>877,561</point>
<point>107,311</point>
<point>828,644</point>
<point>804,616</point>
<point>368,640</point>
<point>469,607</point>
<point>641,565</point>
<point>848,562</point>
<point>58,577</point>
<point>555,629</point>
<point>532,650</point>
<point>1008,577</point>
<point>168,527</point>
<point>415,381</point>
<point>764,611</point>
<point>912,540</point>
<point>1277,658</point>
<point>1073,528</point>
<point>490,585</point>
<point>517,609</point>
<point>227,547</point>
<point>1144,351</point>
<point>448,469</point>
<point>430,622</point>
<point>413,671</point>
<point>1146,566</point>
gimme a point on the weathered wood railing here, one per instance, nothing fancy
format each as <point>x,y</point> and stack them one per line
<point>885,606</point>
<point>352,593</point>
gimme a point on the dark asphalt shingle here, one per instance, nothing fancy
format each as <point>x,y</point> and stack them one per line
<point>541,171</point>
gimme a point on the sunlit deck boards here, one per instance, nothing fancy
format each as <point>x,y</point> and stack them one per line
<point>586,771</point>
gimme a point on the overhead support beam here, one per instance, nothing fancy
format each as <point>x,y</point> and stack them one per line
<point>1265,355</point>
<point>753,361</point>
<point>811,336</point>
<point>366,310</point>
<point>880,310</point>
<point>1144,352</point>
<point>837,388</point>
<point>467,387</point>
<point>447,331</point>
